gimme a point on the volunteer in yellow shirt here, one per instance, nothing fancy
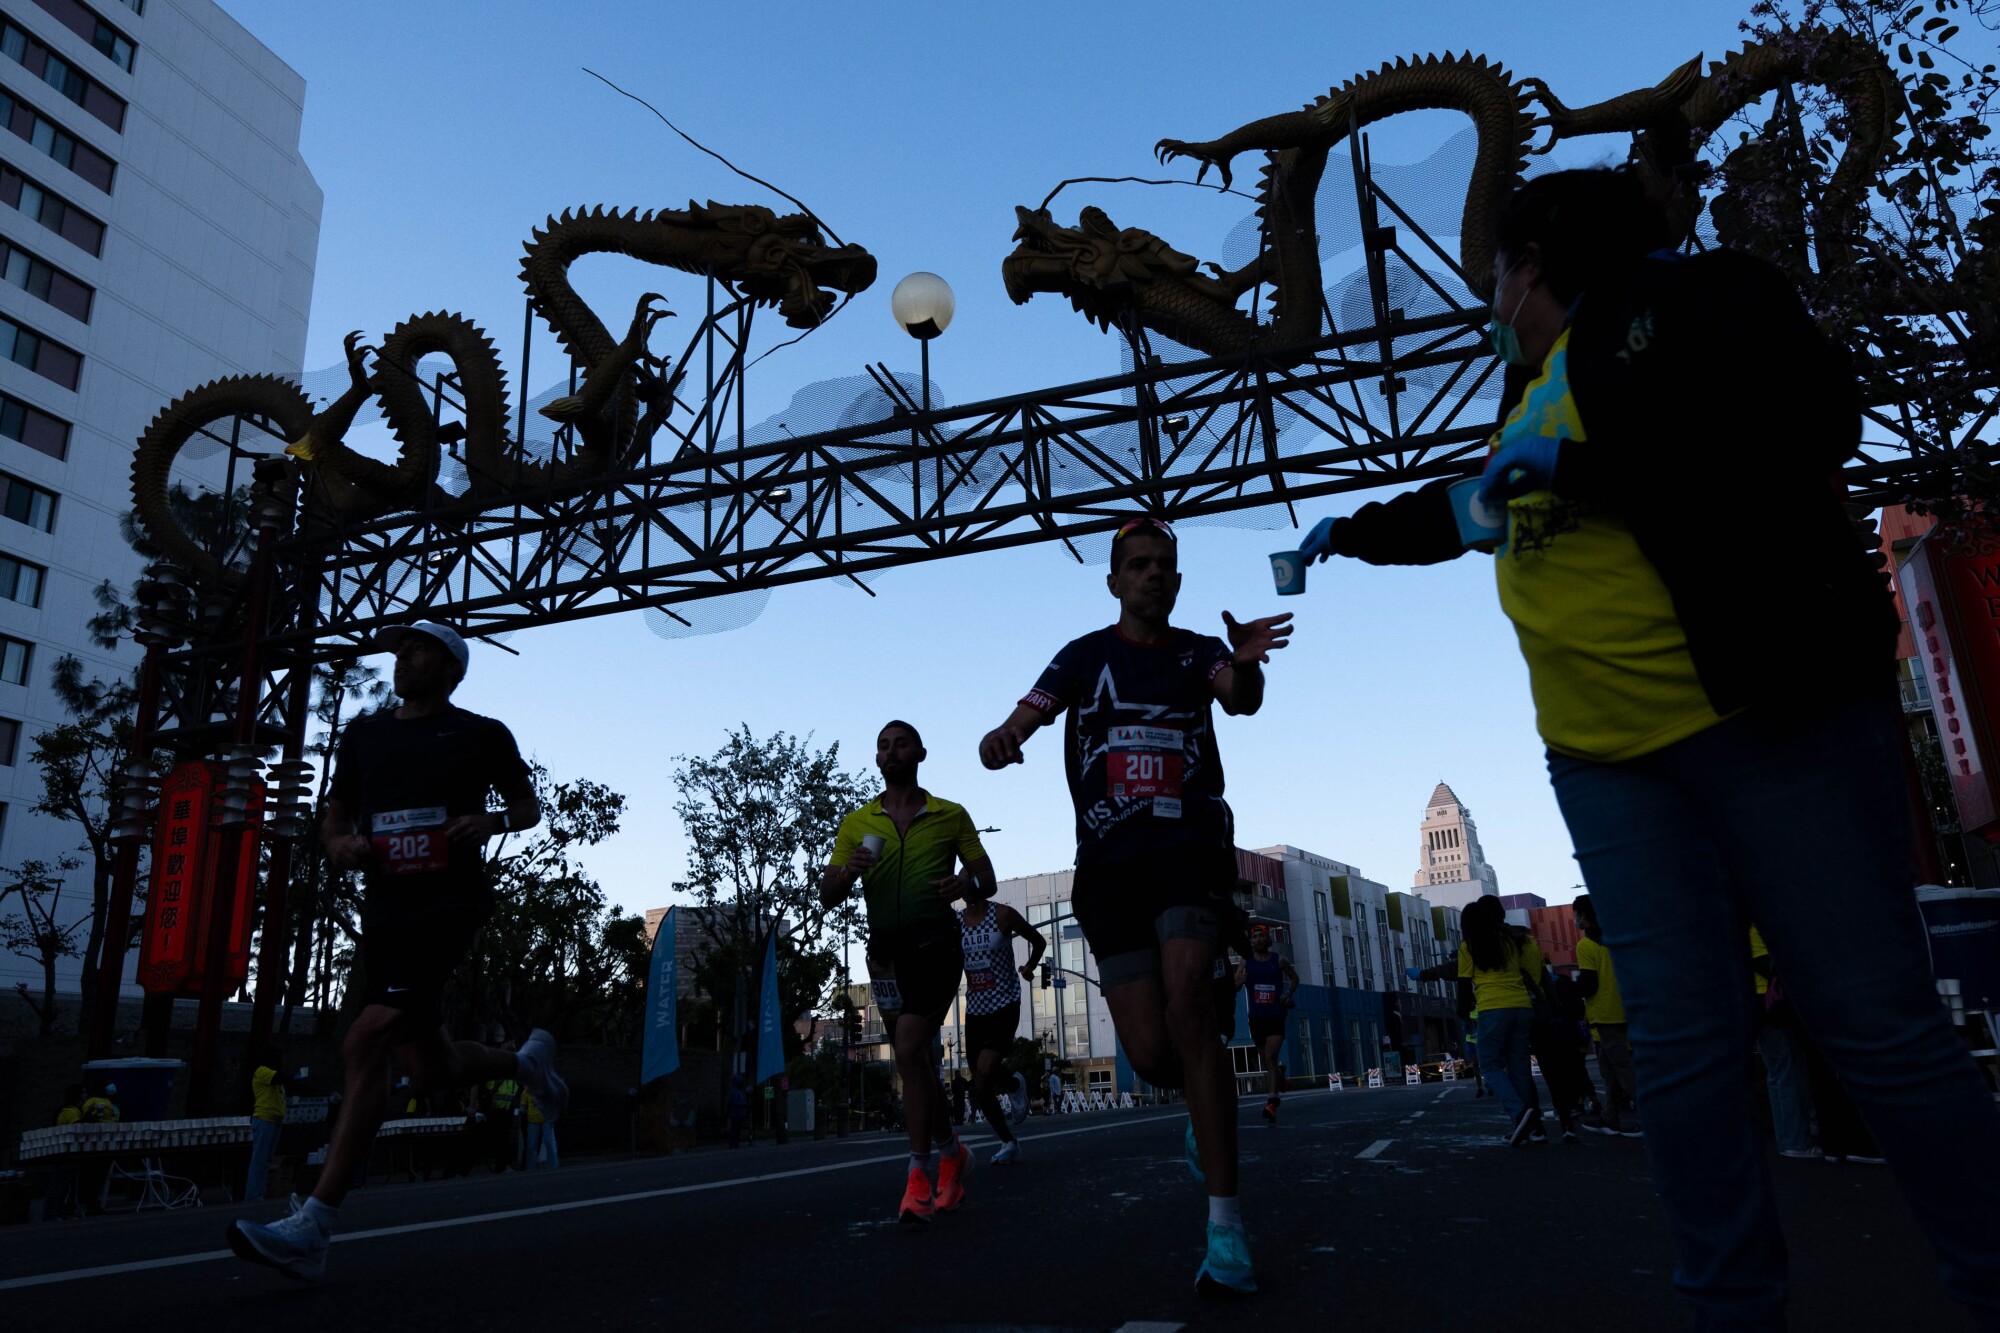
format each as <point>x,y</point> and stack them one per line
<point>1711,649</point>
<point>267,1119</point>
<point>541,1134</point>
<point>1504,965</point>
<point>1597,978</point>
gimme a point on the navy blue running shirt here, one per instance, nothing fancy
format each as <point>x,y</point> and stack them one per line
<point>1138,742</point>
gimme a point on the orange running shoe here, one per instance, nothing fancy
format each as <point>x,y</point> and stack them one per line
<point>917,1205</point>
<point>952,1169</point>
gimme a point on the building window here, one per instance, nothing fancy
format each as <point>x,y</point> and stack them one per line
<point>88,24</point>
<point>59,144</point>
<point>45,356</point>
<point>34,55</point>
<point>25,502</point>
<point>33,427</point>
<point>44,281</point>
<point>14,658</point>
<point>10,741</point>
<point>59,215</point>
<point>20,581</point>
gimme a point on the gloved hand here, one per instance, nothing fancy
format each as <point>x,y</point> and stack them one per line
<point>1319,543</point>
<point>1518,468</point>
<point>1413,973</point>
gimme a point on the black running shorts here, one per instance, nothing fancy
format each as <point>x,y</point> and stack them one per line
<point>916,975</point>
<point>1264,1027</point>
<point>407,961</point>
<point>993,1032</point>
<point>1126,908</point>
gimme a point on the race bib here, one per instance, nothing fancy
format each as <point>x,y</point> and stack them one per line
<point>1263,994</point>
<point>410,842</point>
<point>1146,763</point>
<point>982,978</point>
<point>882,983</point>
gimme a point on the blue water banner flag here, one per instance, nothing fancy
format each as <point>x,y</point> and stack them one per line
<point>770,1038</point>
<point>661,1054</point>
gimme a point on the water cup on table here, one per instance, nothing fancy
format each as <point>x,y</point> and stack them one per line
<point>1288,571</point>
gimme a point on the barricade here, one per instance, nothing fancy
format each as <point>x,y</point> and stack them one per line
<point>1412,1075</point>
<point>1449,1071</point>
<point>1374,1078</point>
<point>1333,1082</point>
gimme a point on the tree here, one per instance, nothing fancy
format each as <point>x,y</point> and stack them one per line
<point>37,932</point>
<point>1907,269</point>
<point>553,953</point>
<point>760,817</point>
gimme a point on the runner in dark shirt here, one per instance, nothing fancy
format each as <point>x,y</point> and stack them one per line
<point>1155,861</point>
<point>408,808</point>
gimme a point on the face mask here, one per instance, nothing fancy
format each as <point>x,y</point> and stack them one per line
<point>1500,333</point>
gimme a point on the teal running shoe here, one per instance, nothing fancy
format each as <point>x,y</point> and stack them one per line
<point>1226,1272</point>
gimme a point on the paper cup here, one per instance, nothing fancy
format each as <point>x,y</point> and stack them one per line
<point>1481,527</point>
<point>874,842</point>
<point>1288,571</point>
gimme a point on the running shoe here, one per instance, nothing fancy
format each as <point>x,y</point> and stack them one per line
<point>953,1167</point>
<point>293,1245</point>
<point>1009,1152</point>
<point>537,1061</point>
<point>1599,1127</point>
<point>1191,1153</point>
<point>1017,1102</point>
<point>1524,1124</point>
<point>1226,1271</point>
<point>1633,1133</point>
<point>917,1203</point>
<point>1271,1111</point>
<point>1800,1152</point>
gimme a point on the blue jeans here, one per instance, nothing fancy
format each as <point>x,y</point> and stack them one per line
<point>1785,1077</point>
<point>1799,825</point>
<point>1503,1058</point>
<point>263,1142</point>
<point>540,1137</point>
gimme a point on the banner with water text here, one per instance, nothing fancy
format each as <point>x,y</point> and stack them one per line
<point>770,1039</point>
<point>661,1053</point>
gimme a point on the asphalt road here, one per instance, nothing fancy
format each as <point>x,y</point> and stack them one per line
<point>1390,1209</point>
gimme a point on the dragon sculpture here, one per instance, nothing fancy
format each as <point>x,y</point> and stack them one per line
<point>1126,276</point>
<point>624,393</point>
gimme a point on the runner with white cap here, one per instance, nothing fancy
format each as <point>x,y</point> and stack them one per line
<point>409,808</point>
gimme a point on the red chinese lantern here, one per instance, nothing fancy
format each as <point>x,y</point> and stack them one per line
<point>180,878</point>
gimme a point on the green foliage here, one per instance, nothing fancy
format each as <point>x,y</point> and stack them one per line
<point>37,932</point>
<point>760,816</point>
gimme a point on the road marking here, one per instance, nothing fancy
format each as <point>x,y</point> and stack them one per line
<point>1442,1095</point>
<point>637,1196</point>
<point>1411,1118</point>
<point>1374,1149</point>
<point>1147,1326</point>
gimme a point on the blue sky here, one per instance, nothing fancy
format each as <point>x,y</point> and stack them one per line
<point>443,132</point>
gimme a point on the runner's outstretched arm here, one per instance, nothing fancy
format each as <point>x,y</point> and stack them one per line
<point>1002,745</point>
<point>1239,686</point>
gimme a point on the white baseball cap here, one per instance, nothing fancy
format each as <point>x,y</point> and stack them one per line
<point>389,640</point>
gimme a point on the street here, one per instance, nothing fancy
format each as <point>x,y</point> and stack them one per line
<point>1393,1209</point>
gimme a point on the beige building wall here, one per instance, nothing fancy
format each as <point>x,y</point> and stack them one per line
<point>1448,847</point>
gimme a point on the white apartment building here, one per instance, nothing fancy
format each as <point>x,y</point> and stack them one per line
<point>159,229</point>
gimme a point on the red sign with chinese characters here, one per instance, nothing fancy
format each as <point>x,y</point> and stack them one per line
<point>1951,584</point>
<point>179,879</point>
<point>240,880</point>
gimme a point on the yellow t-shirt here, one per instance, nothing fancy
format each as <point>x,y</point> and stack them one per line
<point>1504,988</point>
<point>1608,661</point>
<point>1758,950</point>
<point>69,1115</point>
<point>269,1092</point>
<point>1607,1006</point>
<point>100,1111</point>
<point>529,1105</point>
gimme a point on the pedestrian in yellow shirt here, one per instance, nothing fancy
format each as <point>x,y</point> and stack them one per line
<point>541,1134</point>
<point>1605,1008</point>
<point>1503,962</point>
<point>267,1118</point>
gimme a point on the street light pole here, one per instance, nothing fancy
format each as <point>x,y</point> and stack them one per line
<point>923,305</point>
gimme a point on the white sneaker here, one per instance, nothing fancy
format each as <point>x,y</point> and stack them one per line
<point>293,1245</point>
<point>1009,1152</point>
<point>537,1061</point>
